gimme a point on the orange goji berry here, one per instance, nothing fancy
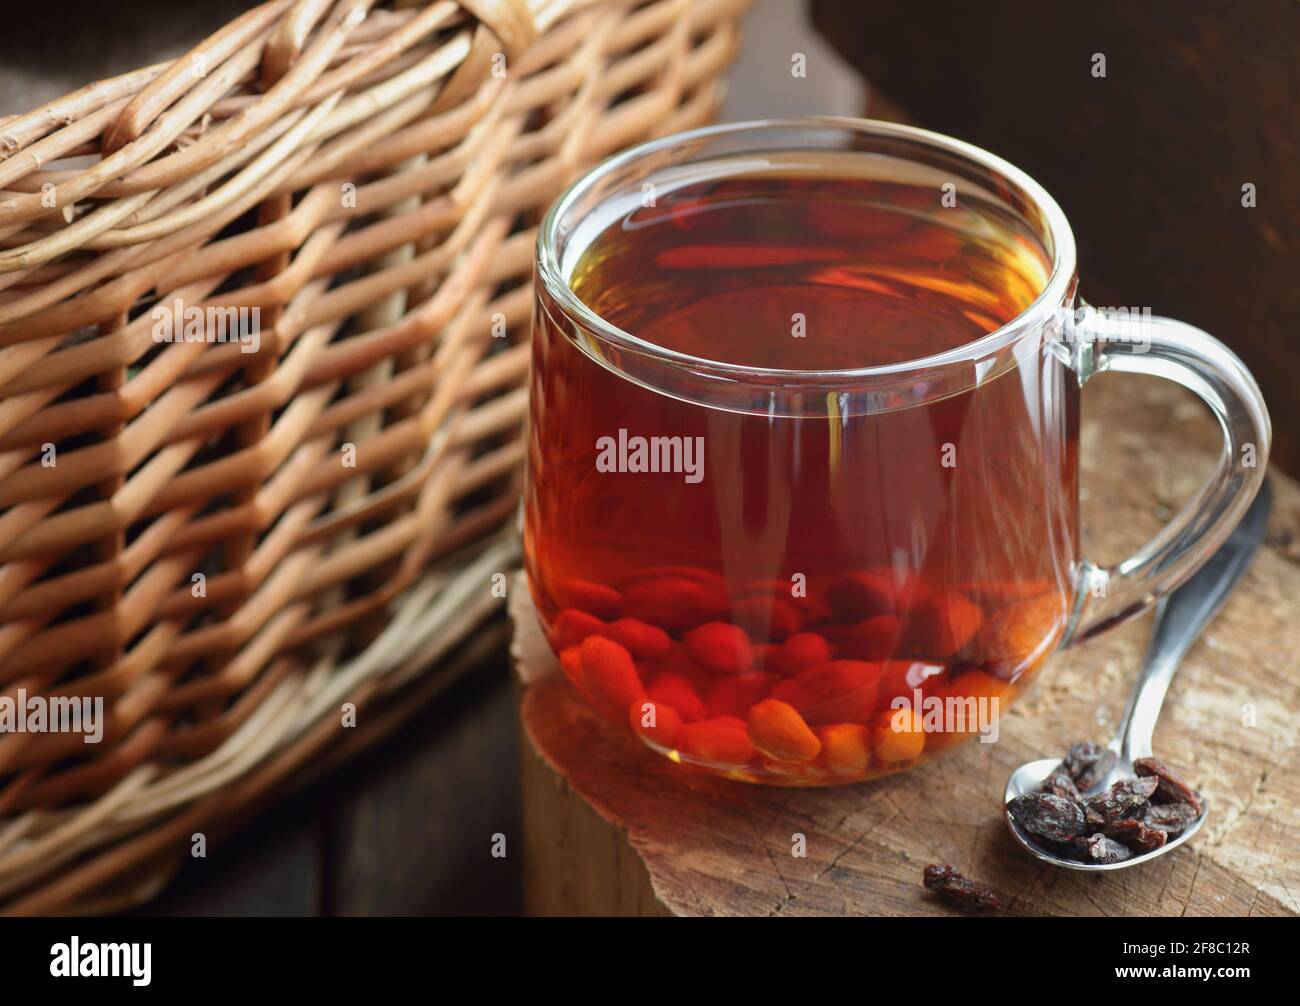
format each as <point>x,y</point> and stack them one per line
<point>609,677</point>
<point>657,722</point>
<point>846,749</point>
<point>842,691</point>
<point>767,617</point>
<point>571,664</point>
<point>899,737</point>
<point>801,651</point>
<point>942,624</point>
<point>1016,636</point>
<point>674,690</point>
<point>961,699</point>
<point>875,638</point>
<point>902,678</point>
<point>642,639</point>
<point>734,694</point>
<point>586,595</point>
<point>777,730</point>
<point>674,602</point>
<point>874,592</point>
<point>720,646</point>
<point>723,740</point>
<point>571,626</point>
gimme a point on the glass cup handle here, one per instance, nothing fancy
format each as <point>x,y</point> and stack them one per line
<point>1161,347</point>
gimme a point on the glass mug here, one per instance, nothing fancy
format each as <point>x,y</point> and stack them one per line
<point>801,502</point>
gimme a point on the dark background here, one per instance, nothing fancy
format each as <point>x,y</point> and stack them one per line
<point>1200,97</point>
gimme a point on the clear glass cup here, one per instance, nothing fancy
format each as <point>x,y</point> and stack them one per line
<point>827,560</point>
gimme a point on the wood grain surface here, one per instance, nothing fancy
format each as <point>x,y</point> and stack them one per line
<point>611,828</point>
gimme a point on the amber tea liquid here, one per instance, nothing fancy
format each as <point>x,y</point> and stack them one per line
<point>753,575</point>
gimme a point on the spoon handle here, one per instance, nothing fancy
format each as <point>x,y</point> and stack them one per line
<point>1180,617</point>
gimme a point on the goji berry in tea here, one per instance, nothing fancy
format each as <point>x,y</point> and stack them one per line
<point>1171,788</point>
<point>779,732</point>
<point>658,722</point>
<point>846,749</point>
<point>942,624</point>
<point>899,737</point>
<point>674,603</point>
<point>721,647</point>
<point>947,882</point>
<point>801,651</point>
<point>1048,817</point>
<point>842,691</point>
<point>856,596</point>
<point>642,640</point>
<point>594,598</point>
<point>734,694</point>
<point>769,617</point>
<point>723,741</point>
<point>875,638</point>
<point>1018,632</point>
<point>572,626</point>
<point>676,691</point>
<point>609,677</point>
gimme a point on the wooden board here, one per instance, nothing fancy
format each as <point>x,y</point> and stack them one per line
<point>611,828</point>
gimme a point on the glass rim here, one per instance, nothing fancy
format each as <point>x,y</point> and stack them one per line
<point>1034,316</point>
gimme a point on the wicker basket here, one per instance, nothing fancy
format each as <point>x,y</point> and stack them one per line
<point>230,545</point>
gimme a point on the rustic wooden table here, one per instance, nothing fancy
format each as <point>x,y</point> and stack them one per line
<point>610,828</point>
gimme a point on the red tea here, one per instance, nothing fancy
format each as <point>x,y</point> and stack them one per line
<point>759,571</point>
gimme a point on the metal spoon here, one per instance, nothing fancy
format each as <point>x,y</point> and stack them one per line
<point>1179,619</point>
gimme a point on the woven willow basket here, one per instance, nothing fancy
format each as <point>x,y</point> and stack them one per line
<point>229,546</point>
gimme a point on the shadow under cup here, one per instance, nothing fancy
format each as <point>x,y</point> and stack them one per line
<point>802,480</point>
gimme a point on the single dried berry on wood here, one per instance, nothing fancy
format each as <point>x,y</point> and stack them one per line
<point>1047,816</point>
<point>1171,818</point>
<point>1171,788</point>
<point>1088,764</point>
<point>1100,849</point>
<point>1127,798</point>
<point>1136,835</point>
<point>963,892</point>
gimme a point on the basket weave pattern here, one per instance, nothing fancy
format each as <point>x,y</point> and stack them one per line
<point>227,545</point>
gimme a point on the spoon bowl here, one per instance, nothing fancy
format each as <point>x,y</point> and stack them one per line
<point>1179,619</point>
<point>1031,775</point>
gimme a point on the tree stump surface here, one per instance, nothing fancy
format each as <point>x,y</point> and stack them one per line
<point>613,828</point>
